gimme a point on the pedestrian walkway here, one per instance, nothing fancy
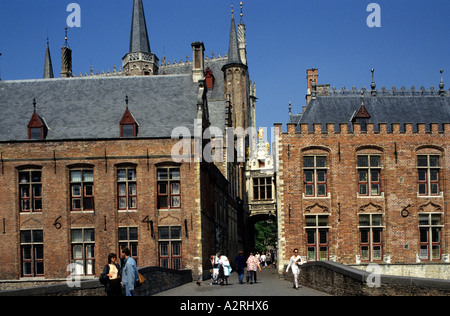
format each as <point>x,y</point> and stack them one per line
<point>268,285</point>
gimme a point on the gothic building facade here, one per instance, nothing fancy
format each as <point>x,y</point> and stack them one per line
<point>363,176</point>
<point>88,164</point>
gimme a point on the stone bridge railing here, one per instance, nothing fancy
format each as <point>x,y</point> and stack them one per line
<point>157,280</point>
<point>339,279</point>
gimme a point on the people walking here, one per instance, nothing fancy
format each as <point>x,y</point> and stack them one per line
<point>252,265</point>
<point>294,263</point>
<point>225,270</point>
<point>111,276</point>
<point>240,266</point>
<point>263,260</point>
<point>130,273</point>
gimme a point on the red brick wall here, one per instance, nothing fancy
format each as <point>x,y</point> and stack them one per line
<point>399,184</point>
<point>55,158</point>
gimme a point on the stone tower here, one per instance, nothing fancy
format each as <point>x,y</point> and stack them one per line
<point>139,61</point>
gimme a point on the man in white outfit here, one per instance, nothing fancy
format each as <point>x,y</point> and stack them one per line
<point>294,263</point>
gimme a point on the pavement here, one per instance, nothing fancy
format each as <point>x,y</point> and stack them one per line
<point>269,284</point>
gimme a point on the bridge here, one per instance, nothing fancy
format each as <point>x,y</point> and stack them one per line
<point>268,284</point>
<point>319,278</point>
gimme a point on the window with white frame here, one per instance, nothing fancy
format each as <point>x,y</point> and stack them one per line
<point>83,251</point>
<point>126,188</point>
<point>169,190</point>
<point>82,189</point>
<point>30,190</point>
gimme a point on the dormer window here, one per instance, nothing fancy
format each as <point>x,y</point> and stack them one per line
<point>362,117</point>
<point>209,78</point>
<point>37,127</point>
<point>128,124</point>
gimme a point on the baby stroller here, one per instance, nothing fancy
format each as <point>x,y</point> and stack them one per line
<point>215,275</point>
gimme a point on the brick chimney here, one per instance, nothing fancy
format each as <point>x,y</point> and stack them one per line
<point>311,75</point>
<point>198,67</point>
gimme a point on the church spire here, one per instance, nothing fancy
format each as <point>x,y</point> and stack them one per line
<point>48,66</point>
<point>233,49</point>
<point>139,61</point>
<point>139,42</point>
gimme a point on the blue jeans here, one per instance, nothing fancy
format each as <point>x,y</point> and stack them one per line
<point>252,275</point>
<point>128,292</point>
<point>241,275</point>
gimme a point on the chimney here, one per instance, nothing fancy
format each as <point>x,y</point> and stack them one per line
<point>66,71</point>
<point>311,76</point>
<point>198,65</point>
<point>66,53</point>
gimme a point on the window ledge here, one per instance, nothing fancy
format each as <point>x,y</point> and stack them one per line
<point>440,195</point>
<point>328,196</point>
<point>381,196</point>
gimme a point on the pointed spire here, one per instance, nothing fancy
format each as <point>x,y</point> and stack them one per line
<point>233,49</point>
<point>242,42</point>
<point>139,42</point>
<point>48,67</point>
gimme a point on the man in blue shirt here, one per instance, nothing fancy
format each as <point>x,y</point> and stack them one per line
<point>130,273</point>
<point>240,266</point>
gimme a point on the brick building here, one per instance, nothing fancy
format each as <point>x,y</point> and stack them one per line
<point>88,163</point>
<point>363,176</point>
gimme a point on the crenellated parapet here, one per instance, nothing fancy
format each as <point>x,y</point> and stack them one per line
<point>371,128</point>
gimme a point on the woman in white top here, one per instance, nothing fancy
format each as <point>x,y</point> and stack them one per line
<point>111,276</point>
<point>294,263</point>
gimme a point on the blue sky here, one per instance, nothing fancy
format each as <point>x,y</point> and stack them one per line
<point>284,38</point>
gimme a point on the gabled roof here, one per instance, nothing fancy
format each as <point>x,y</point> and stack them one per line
<point>216,96</point>
<point>362,112</point>
<point>92,107</point>
<point>36,121</point>
<point>128,118</point>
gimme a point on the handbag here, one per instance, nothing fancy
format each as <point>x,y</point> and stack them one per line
<point>141,280</point>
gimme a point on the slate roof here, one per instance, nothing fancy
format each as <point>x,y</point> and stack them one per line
<point>382,109</point>
<point>216,96</point>
<point>92,107</point>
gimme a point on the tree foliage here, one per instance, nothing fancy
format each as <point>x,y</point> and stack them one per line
<point>265,236</point>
